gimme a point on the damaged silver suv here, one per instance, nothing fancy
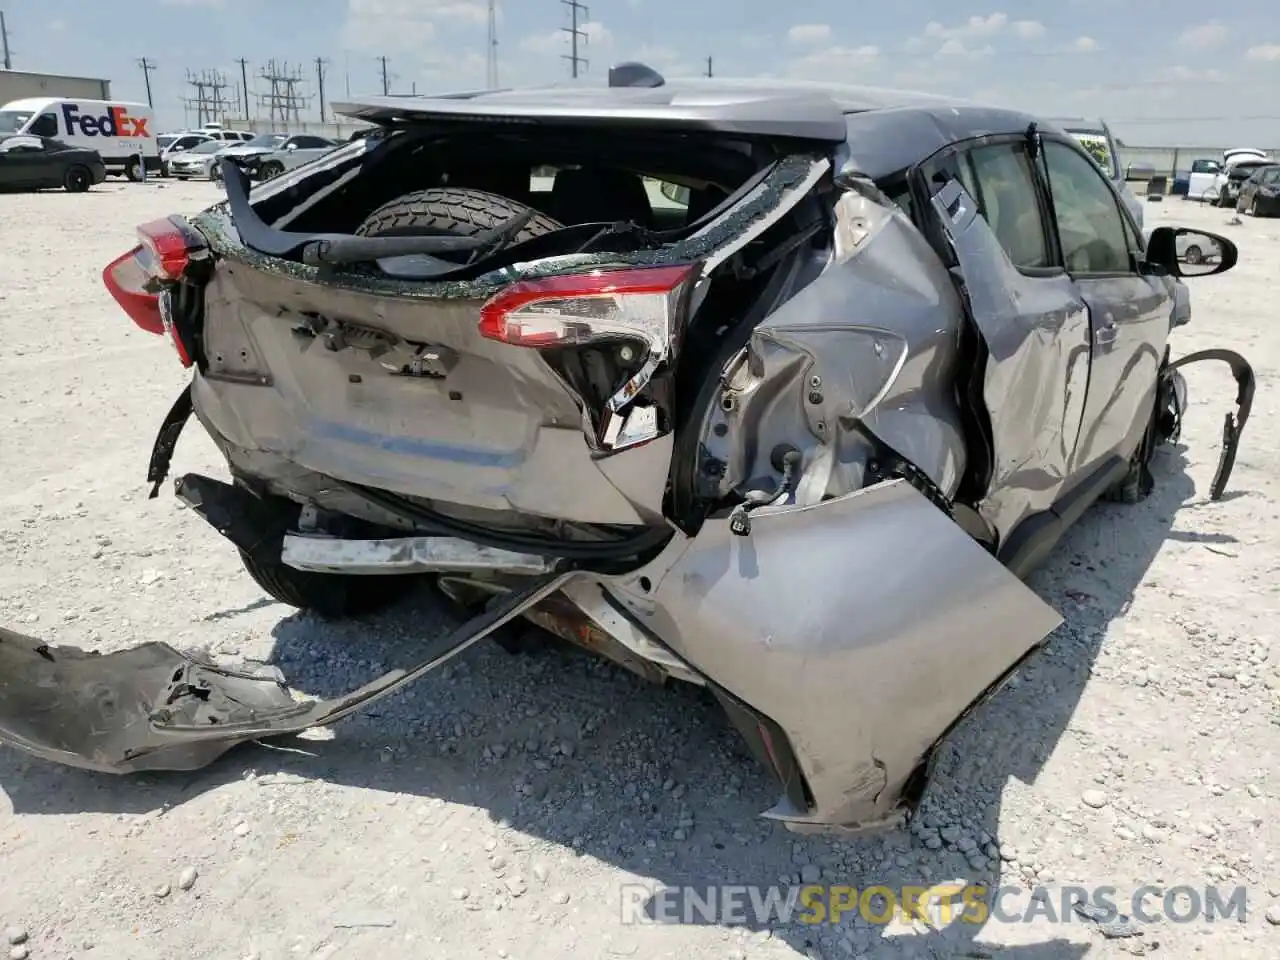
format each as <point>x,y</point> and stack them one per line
<point>795,435</point>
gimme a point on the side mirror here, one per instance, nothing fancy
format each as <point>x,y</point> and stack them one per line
<point>178,149</point>
<point>1191,253</point>
<point>1139,171</point>
<point>292,146</point>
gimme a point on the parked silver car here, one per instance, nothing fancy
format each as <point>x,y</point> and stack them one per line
<point>796,440</point>
<point>293,153</point>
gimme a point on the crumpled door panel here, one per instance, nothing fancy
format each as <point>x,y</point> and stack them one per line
<point>864,626</point>
<point>1036,329</point>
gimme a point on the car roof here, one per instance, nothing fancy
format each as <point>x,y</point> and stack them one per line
<point>785,108</point>
<point>887,129</point>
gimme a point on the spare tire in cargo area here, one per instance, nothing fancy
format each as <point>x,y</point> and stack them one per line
<point>453,212</point>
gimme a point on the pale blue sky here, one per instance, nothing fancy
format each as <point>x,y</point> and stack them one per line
<point>1202,67</point>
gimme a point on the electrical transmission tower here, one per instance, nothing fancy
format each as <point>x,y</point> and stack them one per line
<point>575,34</point>
<point>491,64</point>
<point>209,100</point>
<point>283,98</point>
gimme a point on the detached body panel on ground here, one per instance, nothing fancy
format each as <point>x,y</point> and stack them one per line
<point>795,436</point>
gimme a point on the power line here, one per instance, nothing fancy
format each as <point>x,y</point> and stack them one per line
<point>147,66</point>
<point>575,34</point>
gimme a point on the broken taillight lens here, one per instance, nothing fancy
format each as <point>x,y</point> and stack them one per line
<point>138,279</point>
<point>621,304</point>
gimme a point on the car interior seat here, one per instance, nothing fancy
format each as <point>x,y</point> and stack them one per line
<point>599,194</point>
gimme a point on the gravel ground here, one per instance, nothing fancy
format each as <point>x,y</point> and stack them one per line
<point>495,809</point>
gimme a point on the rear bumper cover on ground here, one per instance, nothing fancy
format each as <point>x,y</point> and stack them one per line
<point>844,638</point>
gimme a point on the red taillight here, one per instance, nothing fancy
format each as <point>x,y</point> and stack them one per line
<point>136,280</point>
<point>583,308</point>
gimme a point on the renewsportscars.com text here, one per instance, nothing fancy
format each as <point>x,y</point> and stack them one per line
<point>940,904</point>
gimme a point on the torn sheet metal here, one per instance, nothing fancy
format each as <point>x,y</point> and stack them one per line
<point>154,708</point>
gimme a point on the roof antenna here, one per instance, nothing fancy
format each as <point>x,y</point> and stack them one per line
<point>633,74</point>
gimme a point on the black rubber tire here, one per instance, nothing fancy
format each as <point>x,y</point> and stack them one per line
<point>334,596</point>
<point>133,169</point>
<point>452,211</point>
<point>77,180</point>
<point>272,170</point>
<point>1194,254</point>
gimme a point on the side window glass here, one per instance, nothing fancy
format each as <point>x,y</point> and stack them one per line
<point>1090,225</point>
<point>1000,178</point>
<point>46,125</point>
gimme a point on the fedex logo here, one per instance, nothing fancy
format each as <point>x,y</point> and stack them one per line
<point>116,122</point>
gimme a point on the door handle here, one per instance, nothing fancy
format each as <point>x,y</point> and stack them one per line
<point>1106,334</point>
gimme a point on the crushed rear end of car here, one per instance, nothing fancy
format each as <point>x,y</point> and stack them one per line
<point>653,403</point>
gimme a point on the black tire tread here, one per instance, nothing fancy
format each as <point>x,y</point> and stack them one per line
<point>453,211</point>
<point>331,595</point>
<point>67,179</point>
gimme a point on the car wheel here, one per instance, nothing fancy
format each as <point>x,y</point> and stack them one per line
<point>1253,207</point>
<point>1193,255</point>
<point>334,596</point>
<point>77,180</point>
<point>1222,200</point>
<point>215,173</point>
<point>133,169</point>
<point>272,170</point>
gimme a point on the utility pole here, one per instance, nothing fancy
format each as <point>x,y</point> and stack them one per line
<point>386,83</point>
<point>575,34</point>
<point>320,65</point>
<point>708,66</point>
<point>147,66</point>
<point>244,84</point>
<point>491,62</point>
<point>4,42</point>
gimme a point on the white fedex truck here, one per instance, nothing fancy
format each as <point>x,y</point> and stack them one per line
<point>123,133</point>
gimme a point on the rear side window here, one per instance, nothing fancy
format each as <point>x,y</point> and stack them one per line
<point>999,176</point>
<point>1091,227</point>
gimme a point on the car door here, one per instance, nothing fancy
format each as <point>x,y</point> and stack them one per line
<point>21,162</point>
<point>1201,180</point>
<point>1031,318</point>
<point>1130,310</point>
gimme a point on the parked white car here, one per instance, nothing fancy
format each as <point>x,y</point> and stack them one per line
<point>198,161</point>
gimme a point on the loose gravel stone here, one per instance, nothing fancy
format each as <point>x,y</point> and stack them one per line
<point>1094,798</point>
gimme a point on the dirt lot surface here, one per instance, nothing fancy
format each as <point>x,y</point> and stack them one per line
<point>496,809</point>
